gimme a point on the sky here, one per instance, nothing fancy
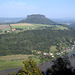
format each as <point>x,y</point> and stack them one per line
<point>49,8</point>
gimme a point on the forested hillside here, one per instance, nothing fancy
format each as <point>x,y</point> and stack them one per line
<point>25,42</point>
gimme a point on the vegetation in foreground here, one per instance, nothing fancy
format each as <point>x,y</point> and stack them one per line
<point>15,61</point>
<point>30,68</point>
<point>61,66</point>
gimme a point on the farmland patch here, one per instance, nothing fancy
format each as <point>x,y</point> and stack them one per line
<point>22,24</point>
<point>4,27</point>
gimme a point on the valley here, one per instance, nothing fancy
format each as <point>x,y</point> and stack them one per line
<point>29,39</point>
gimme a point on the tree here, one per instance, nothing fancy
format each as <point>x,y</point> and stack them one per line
<point>30,68</point>
<point>61,67</point>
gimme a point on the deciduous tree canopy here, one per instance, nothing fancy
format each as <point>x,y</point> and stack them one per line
<point>30,68</point>
<point>25,42</point>
<point>61,67</point>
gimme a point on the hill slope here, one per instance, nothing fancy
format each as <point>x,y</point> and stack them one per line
<point>25,42</point>
<point>37,19</point>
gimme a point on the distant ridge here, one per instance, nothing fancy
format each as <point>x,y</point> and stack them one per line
<point>10,20</point>
<point>37,19</point>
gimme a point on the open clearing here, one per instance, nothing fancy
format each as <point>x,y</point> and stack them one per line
<point>4,27</point>
<point>28,25</point>
<point>14,57</point>
<point>15,61</point>
<point>22,24</point>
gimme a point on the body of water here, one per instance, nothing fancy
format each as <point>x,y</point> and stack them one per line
<point>43,66</point>
<point>72,59</point>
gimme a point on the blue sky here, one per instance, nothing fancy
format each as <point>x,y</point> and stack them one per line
<point>49,8</point>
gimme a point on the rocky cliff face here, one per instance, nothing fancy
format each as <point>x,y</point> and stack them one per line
<point>36,16</point>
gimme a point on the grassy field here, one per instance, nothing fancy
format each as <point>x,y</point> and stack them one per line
<point>27,25</point>
<point>14,61</point>
<point>14,57</point>
<point>4,65</point>
<point>4,27</point>
<point>61,27</point>
<point>22,24</point>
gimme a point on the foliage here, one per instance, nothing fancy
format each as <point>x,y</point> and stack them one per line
<point>45,58</point>
<point>53,49</point>
<point>30,68</point>
<point>61,67</point>
<point>25,42</point>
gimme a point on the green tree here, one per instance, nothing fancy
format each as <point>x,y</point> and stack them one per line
<point>61,67</point>
<point>30,68</point>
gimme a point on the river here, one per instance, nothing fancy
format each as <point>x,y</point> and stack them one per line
<point>4,72</point>
<point>72,59</point>
<point>43,66</point>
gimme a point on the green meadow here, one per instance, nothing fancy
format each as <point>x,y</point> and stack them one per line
<point>28,26</point>
<point>15,61</point>
<point>36,26</point>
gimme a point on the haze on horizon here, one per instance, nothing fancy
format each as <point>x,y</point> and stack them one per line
<point>49,8</point>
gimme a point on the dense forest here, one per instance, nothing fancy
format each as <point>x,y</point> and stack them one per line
<point>25,42</point>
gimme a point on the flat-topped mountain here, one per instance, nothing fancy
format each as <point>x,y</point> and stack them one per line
<point>37,19</point>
